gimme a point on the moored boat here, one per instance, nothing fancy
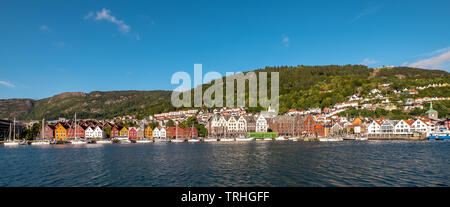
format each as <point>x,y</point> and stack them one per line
<point>226,140</point>
<point>280,138</point>
<point>40,143</point>
<point>243,139</point>
<point>193,140</point>
<point>143,141</point>
<point>177,140</point>
<point>210,140</point>
<point>104,142</point>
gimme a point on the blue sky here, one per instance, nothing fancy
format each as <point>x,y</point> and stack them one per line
<point>50,47</point>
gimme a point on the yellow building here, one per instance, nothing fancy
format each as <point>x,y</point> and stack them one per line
<point>124,132</point>
<point>148,132</point>
<point>60,132</point>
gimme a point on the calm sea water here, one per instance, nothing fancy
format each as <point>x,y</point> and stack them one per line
<point>348,163</point>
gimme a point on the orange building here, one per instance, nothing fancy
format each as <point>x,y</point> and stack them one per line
<point>60,132</point>
<point>148,132</point>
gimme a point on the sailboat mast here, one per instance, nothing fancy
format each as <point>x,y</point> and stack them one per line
<point>75,127</point>
<point>43,130</point>
<point>9,134</point>
<point>14,136</point>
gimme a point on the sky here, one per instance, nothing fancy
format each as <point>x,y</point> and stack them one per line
<point>51,47</point>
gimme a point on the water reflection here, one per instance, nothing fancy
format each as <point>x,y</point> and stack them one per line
<point>349,163</point>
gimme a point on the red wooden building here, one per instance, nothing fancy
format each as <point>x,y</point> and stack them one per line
<point>133,133</point>
<point>114,132</point>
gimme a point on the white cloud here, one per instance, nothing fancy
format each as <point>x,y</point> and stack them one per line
<point>105,14</point>
<point>368,62</point>
<point>45,28</point>
<point>367,11</point>
<point>7,84</point>
<point>285,40</point>
<point>440,61</point>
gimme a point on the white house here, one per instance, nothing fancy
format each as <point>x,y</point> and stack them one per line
<point>162,133</point>
<point>261,124</point>
<point>403,127</point>
<point>156,132</point>
<point>242,124</point>
<point>423,126</point>
<point>99,132</point>
<point>374,127</point>
<point>89,132</point>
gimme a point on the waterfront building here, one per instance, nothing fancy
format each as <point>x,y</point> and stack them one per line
<point>336,129</point>
<point>49,131</point>
<point>186,132</point>
<point>404,127</point>
<point>61,132</point>
<point>374,128</point>
<point>156,132</point>
<point>89,132</point>
<point>99,132</point>
<point>140,133</point>
<point>308,125</point>
<point>148,132</point>
<point>162,133</point>
<point>387,127</point>
<point>283,125</point>
<point>115,132</point>
<point>124,132</point>
<point>423,126</point>
<point>132,133</point>
<point>261,124</point>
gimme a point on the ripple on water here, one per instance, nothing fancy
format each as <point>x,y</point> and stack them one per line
<point>368,163</point>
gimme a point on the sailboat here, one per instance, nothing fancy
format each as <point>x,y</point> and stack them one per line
<point>192,135</point>
<point>225,135</point>
<point>176,140</point>
<point>42,141</point>
<point>76,140</point>
<point>12,142</point>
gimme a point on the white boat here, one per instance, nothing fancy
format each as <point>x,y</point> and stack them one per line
<point>40,143</point>
<point>331,139</point>
<point>280,138</point>
<point>104,142</point>
<point>293,139</point>
<point>243,139</point>
<point>193,140</point>
<point>161,140</point>
<point>143,141</point>
<point>210,140</point>
<point>268,139</point>
<point>78,142</point>
<point>11,143</point>
<point>361,138</point>
<point>227,140</point>
<point>177,140</point>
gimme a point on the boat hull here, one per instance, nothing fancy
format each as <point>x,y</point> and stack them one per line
<point>245,139</point>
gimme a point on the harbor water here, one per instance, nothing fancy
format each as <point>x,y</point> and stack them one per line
<point>256,163</point>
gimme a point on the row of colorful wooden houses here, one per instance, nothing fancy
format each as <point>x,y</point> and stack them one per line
<point>61,131</point>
